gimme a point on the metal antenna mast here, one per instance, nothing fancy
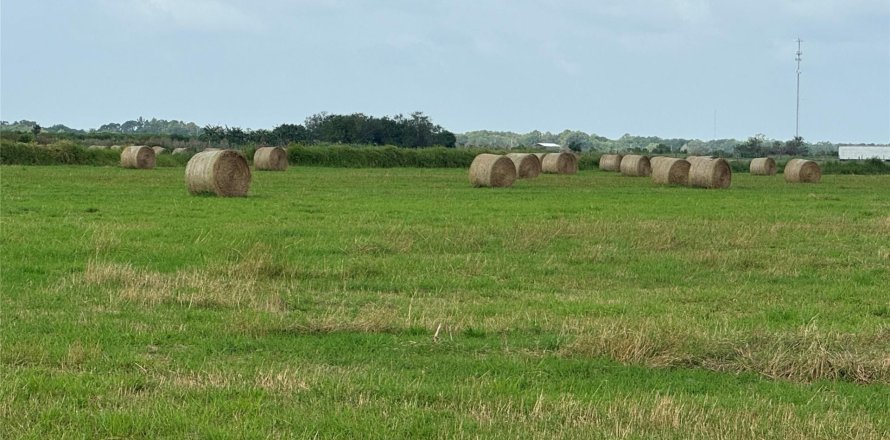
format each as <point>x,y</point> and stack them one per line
<point>797,118</point>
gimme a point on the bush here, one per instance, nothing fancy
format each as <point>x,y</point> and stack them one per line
<point>380,157</point>
<point>869,166</point>
<point>68,153</point>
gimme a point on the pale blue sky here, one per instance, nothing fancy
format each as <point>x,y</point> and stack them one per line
<point>658,67</point>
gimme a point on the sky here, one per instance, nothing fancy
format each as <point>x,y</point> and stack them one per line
<point>668,68</point>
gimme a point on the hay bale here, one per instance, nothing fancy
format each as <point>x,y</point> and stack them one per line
<point>97,147</point>
<point>159,150</point>
<point>528,166</point>
<point>180,150</point>
<point>221,172</point>
<point>763,166</point>
<point>634,165</point>
<point>610,162</point>
<point>212,149</point>
<point>492,170</point>
<point>802,171</point>
<point>116,147</point>
<point>670,171</point>
<point>138,156</point>
<point>560,163</point>
<point>270,159</point>
<point>709,173</point>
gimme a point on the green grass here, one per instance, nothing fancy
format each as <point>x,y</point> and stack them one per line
<point>392,303</point>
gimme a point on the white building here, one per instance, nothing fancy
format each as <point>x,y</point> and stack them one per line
<point>549,146</point>
<point>862,152</point>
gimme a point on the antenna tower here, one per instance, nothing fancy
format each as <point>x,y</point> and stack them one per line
<point>798,58</point>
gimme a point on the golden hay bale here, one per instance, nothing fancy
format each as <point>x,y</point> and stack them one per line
<point>560,163</point>
<point>610,162</point>
<point>270,159</point>
<point>802,171</point>
<point>180,150</point>
<point>670,171</point>
<point>709,173</point>
<point>116,147</point>
<point>634,165</point>
<point>528,166</point>
<point>221,172</point>
<point>492,170</point>
<point>159,150</point>
<point>138,156</point>
<point>763,166</point>
<point>97,147</point>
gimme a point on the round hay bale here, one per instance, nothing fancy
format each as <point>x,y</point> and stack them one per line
<point>97,147</point>
<point>670,171</point>
<point>528,166</point>
<point>270,159</point>
<point>560,163</point>
<point>763,166</point>
<point>802,171</point>
<point>138,156</point>
<point>492,170</point>
<point>116,147</point>
<point>159,150</point>
<point>212,149</point>
<point>180,150</point>
<point>634,165</point>
<point>709,173</point>
<point>610,162</point>
<point>221,172</point>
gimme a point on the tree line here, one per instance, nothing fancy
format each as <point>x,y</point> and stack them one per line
<point>413,131</point>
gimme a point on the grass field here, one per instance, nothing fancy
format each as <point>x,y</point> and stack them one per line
<point>371,303</point>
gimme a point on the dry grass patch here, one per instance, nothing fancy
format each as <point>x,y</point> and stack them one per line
<point>805,355</point>
<point>239,285</point>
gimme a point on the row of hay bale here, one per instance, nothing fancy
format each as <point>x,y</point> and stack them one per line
<point>494,170</point>
<point>704,171</point>
<point>796,170</point>
<point>694,171</point>
<point>213,171</point>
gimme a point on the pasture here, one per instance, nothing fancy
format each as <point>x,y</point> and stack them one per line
<point>394,303</point>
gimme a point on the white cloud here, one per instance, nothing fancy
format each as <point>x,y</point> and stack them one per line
<point>201,15</point>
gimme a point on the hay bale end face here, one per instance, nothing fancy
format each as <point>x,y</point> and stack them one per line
<point>634,165</point>
<point>138,156</point>
<point>221,172</point>
<point>709,173</point>
<point>763,166</point>
<point>492,170</point>
<point>670,171</point>
<point>559,163</point>
<point>528,166</point>
<point>270,159</point>
<point>802,171</point>
<point>610,162</point>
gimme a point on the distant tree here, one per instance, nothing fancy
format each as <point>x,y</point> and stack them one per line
<point>36,129</point>
<point>796,147</point>
<point>753,147</point>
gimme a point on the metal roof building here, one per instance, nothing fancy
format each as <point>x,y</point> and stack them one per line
<point>862,152</point>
